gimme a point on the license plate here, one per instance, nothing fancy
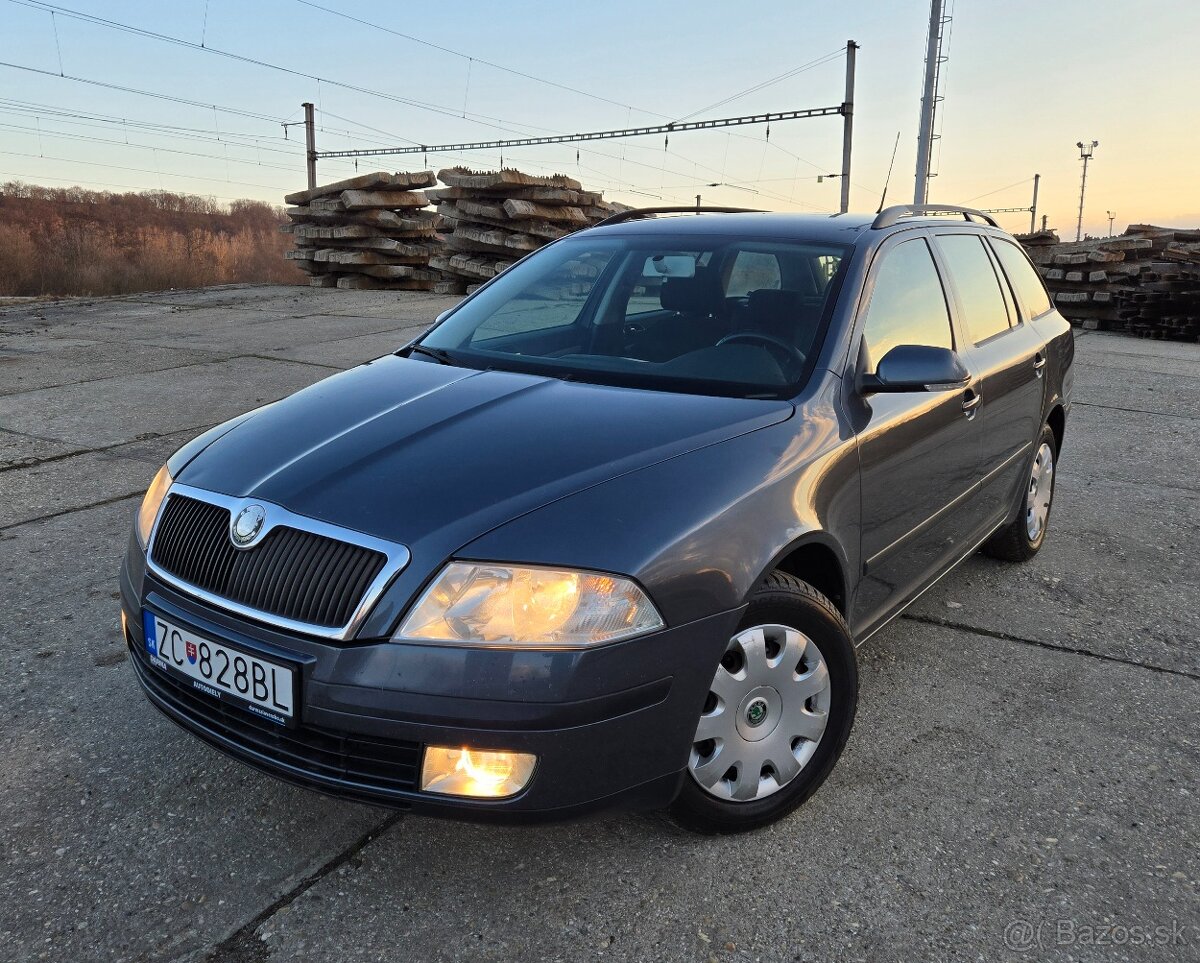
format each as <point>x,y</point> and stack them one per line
<point>258,685</point>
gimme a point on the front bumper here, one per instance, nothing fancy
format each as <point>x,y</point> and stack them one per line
<point>611,727</point>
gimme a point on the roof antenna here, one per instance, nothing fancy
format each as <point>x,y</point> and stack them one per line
<point>883,198</point>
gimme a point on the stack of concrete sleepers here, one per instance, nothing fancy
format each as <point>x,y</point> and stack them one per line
<point>371,231</point>
<point>1145,281</point>
<point>493,218</point>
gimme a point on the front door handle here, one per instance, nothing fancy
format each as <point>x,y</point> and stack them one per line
<point>1039,362</point>
<point>971,400</point>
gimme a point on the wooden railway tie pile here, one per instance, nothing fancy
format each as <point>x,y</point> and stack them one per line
<point>371,231</point>
<point>493,218</point>
<point>1145,281</point>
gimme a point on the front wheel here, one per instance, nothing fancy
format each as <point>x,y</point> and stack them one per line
<point>1020,540</point>
<point>778,712</point>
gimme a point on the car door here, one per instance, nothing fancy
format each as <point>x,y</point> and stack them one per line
<point>919,451</point>
<point>1007,354</point>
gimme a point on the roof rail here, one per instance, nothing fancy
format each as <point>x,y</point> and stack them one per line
<point>892,215</point>
<point>637,213</point>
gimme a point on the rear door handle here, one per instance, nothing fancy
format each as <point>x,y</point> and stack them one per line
<point>1039,362</point>
<point>971,400</point>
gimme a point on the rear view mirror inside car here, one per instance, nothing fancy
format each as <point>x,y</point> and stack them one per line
<point>670,266</point>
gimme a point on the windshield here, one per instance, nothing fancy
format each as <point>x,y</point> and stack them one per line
<point>698,314</point>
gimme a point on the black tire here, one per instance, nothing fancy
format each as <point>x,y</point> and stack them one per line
<point>786,601</point>
<point>1012,543</point>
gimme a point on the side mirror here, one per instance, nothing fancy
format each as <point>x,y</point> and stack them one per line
<point>916,367</point>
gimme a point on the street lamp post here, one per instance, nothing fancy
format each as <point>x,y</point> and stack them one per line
<point>1111,217</point>
<point>1085,154</point>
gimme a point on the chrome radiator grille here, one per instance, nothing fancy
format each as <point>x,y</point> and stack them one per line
<point>292,574</point>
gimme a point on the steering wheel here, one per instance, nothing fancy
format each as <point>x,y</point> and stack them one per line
<point>788,354</point>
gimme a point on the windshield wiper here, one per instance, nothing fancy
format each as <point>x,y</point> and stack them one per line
<point>438,355</point>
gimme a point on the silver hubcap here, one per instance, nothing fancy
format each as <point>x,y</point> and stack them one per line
<point>765,715</point>
<point>1041,490</point>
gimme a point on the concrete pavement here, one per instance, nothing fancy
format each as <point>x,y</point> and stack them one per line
<point>1020,784</point>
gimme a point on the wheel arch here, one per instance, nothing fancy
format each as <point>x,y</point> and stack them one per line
<point>817,559</point>
<point>1057,420</point>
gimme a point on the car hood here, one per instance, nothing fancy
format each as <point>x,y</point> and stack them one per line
<point>412,451</point>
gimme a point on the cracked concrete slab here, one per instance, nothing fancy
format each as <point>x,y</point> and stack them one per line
<point>1119,574</point>
<point>1111,372</point>
<point>18,449</point>
<point>33,362</point>
<point>348,352</point>
<point>228,332</point>
<point>88,477</point>
<point>113,410</point>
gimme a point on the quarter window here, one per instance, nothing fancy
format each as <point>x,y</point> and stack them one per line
<point>985,314</point>
<point>908,305</point>
<point>1023,277</point>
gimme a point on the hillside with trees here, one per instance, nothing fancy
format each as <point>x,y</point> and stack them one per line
<point>71,241</point>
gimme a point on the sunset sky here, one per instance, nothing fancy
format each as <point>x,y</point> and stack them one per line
<point>1024,82</point>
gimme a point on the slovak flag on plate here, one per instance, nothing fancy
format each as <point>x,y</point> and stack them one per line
<point>191,652</point>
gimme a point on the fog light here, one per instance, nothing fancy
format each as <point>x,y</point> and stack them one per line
<point>475,772</point>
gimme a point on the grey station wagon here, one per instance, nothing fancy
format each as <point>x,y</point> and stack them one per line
<point>607,535</point>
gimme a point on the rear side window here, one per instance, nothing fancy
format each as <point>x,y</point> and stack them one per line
<point>985,314</point>
<point>753,271</point>
<point>1023,277</point>
<point>907,305</point>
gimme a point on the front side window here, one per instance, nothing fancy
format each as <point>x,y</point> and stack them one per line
<point>678,312</point>
<point>985,314</point>
<point>908,305</point>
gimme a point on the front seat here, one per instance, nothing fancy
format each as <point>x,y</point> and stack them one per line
<point>698,321</point>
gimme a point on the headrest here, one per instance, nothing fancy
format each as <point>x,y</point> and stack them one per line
<point>695,295</point>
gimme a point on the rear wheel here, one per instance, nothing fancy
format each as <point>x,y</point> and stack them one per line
<point>778,712</point>
<point>1020,540</point>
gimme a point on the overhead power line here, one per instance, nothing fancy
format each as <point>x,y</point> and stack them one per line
<point>827,58</point>
<point>414,147</point>
<point>1023,180</point>
<point>482,119</point>
<point>145,93</point>
<point>478,60</point>
<point>596,135</point>
<point>141,170</point>
<point>477,158</point>
<point>165,150</point>
<point>92,120</point>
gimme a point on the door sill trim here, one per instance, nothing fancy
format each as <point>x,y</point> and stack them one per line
<point>950,568</point>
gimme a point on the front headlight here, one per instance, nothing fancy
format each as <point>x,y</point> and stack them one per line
<point>151,504</point>
<point>508,605</point>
